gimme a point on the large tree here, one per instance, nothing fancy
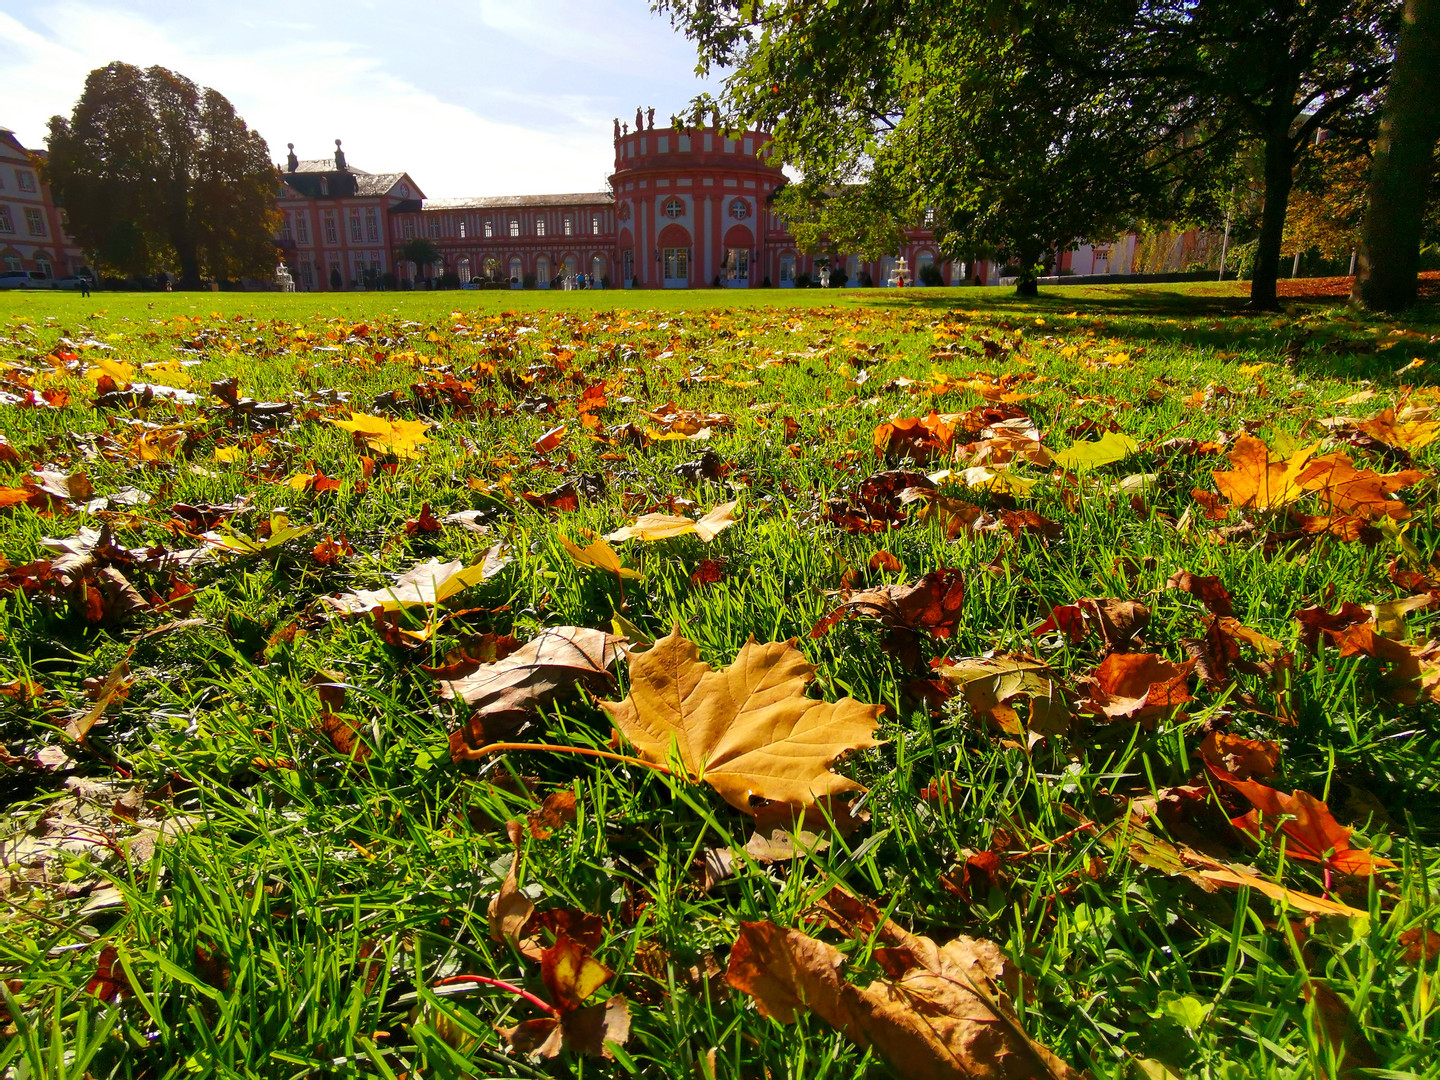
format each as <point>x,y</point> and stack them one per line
<point>1107,108</point>
<point>159,175</point>
<point>1401,177</point>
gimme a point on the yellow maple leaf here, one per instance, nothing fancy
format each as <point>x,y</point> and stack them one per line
<point>748,731</point>
<point>118,370</point>
<point>664,526</point>
<point>598,554</point>
<point>399,437</point>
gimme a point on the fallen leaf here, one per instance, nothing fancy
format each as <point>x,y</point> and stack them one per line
<point>1137,686</point>
<point>1241,757</point>
<point>653,527</point>
<point>941,1012</point>
<point>1111,447</point>
<point>748,730</point>
<point>402,438</point>
<point>1255,481</point>
<point>507,692</point>
<point>599,555</point>
<point>425,584</point>
<point>1311,832</point>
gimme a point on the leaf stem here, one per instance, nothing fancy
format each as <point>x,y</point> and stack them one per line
<point>500,984</point>
<point>495,748</point>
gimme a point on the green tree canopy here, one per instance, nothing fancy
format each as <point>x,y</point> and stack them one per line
<point>1029,124</point>
<point>422,252</point>
<point>159,175</point>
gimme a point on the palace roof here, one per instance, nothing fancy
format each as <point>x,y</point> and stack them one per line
<point>502,202</point>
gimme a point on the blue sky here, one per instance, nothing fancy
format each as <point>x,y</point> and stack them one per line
<point>482,97</point>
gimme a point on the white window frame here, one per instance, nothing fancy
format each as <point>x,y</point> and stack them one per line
<point>34,221</point>
<point>514,226</point>
<point>25,180</point>
<point>673,207</point>
<point>7,222</point>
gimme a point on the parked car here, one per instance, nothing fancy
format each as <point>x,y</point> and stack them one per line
<point>25,279</point>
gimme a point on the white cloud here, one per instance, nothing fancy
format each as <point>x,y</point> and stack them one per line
<point>403,90</point>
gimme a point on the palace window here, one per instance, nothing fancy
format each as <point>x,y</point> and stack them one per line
<point>684,143</point>
<point>542,272</point>
<point>409,230</point>
<point>594,224</point>
<point>7,223</point>
<point>739,209</point>
<point>286,237</point>
<point>540,226</point>
<point>489,228</point>
<point>569,225</point>
<point>737,264</point>
<point>434,230</point>
<point>463,268</point>
<point>372,226</point>
<point>355,233</point>
<point>674,208</point>
<point>627,265</point>
<point>26,180</point>
<point>514,226</point>
<point>677,264</point>
<point>2,183</point>
<point>12,263</point>
<point>324,185</point>
<point>332,235</point>
<point>461,227</point>
<point>516,274</point>
<point>34,221</point>
<point>302,228</point>
<point>307,274</point>
<point>787,269</point>
<point>43,265</point>
<point>662,144</point>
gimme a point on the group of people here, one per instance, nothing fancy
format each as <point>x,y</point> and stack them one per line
<point>569,282</point>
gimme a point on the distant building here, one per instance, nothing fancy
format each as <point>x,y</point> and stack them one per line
<point>336,228</point>
<point>686,208</point>
<point>33,230</point>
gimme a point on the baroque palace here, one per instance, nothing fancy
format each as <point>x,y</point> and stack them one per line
<point>687,208</point>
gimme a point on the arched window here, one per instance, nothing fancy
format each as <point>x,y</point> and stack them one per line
<point>492,268</point>
<point>739,209</point>
<point>463,269</point>
<point>542,272</point>
<point>674,208</point>
<point>923,263</point>
<point>597,269</point>
<point>787,269</point>
<point>516,273</point>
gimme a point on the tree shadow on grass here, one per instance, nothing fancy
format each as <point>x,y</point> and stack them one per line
<point>1317,337</point>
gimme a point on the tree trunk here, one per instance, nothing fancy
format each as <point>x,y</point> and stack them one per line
<point>189,272</point>
<point>1279,175</point>
<point>1027,286</point>
<point>1400,176</point>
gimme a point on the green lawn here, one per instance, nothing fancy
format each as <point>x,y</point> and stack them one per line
<point>241,870</point>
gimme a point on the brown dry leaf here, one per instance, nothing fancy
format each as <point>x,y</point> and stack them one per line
<point>1362,493</point>
<point>934,604</point>
<point>1241,757</point>
<point>115,688</point>
<point>748,731</point>
<point>1137,685</point>
<point>1415,669</point>
<point>1310,830</point>
<point>504,694</point>
<point>1208,590</point>
<point>941,1013</point>
<point>1340,1032</point>
<point>918,437</point>
<point>571,975</point>
<point>1120,621</point>
<point>990,684</point>
<point>651,527</point>
<point>510,909</point>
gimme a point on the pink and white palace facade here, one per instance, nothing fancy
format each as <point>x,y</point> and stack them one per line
<point>687,208</point>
